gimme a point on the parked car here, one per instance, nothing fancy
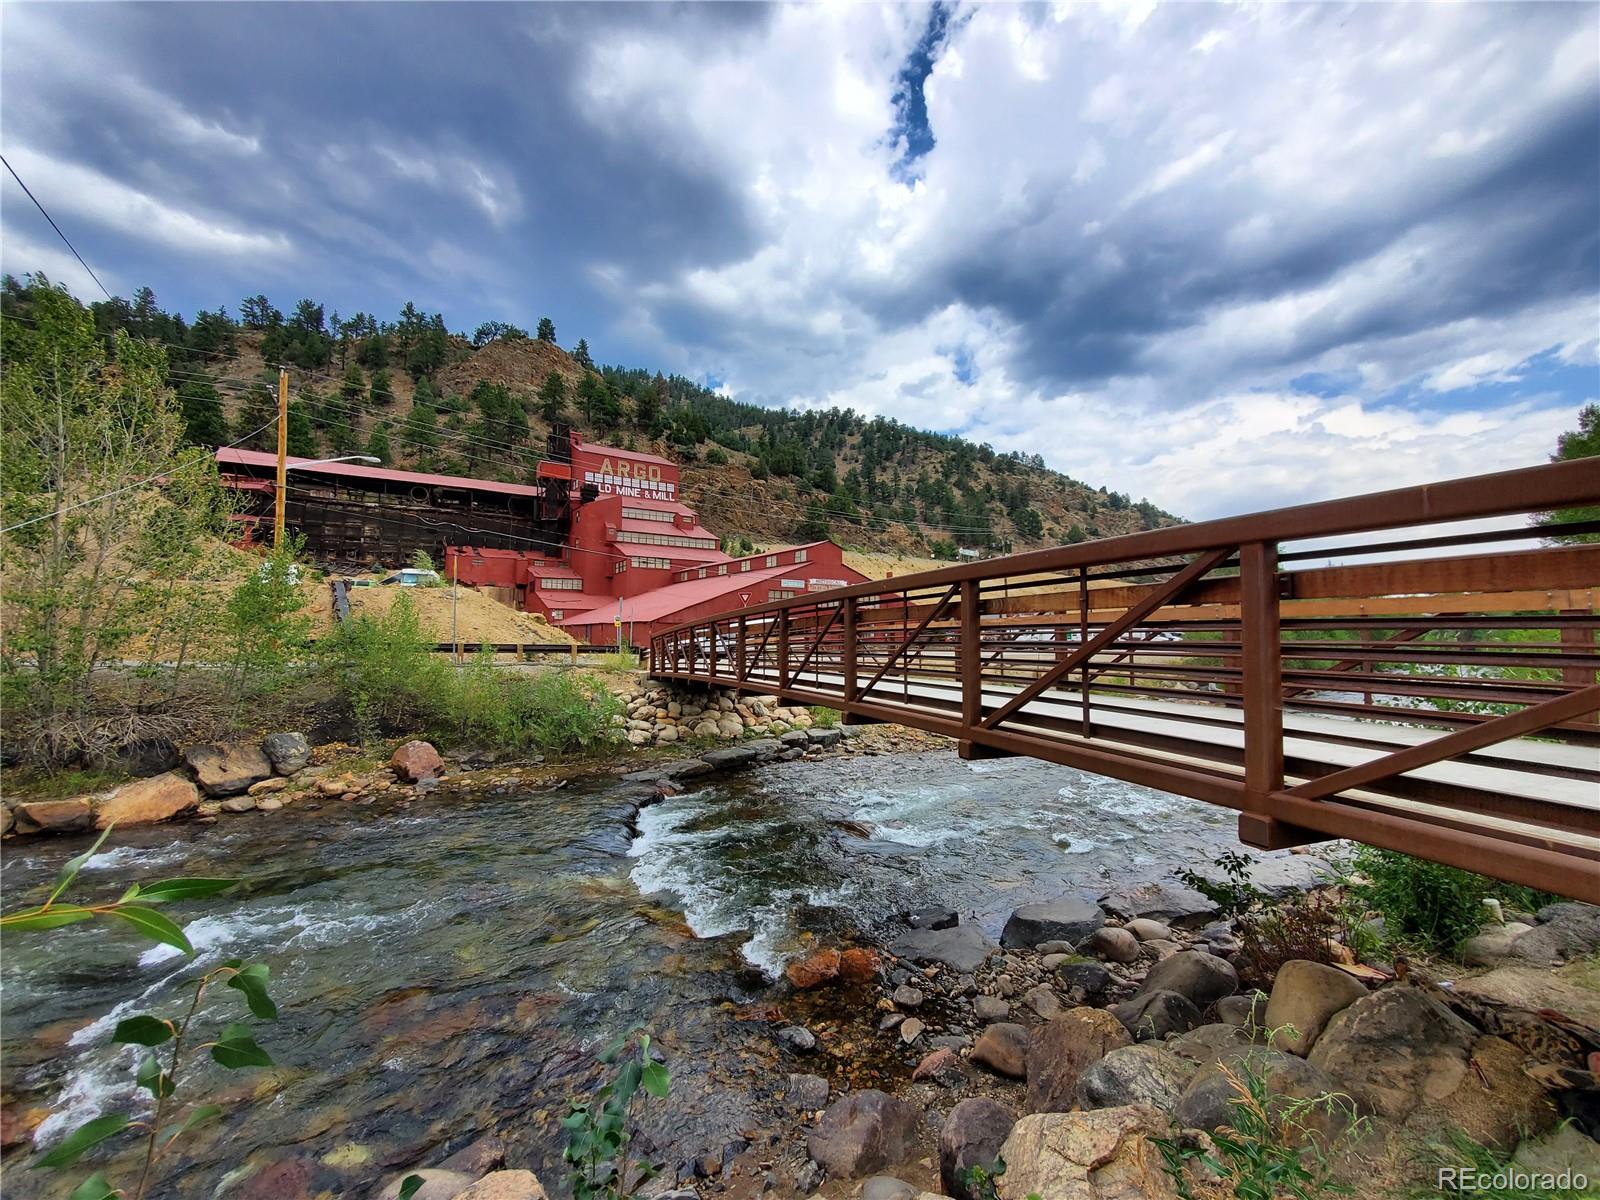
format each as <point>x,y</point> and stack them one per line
<point>413,577</point>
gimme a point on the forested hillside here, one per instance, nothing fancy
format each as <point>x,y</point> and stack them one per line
<point>417,395</point>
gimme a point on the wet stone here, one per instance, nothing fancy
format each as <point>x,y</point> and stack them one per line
<point>798,1038</point>
<point>807,1091</point>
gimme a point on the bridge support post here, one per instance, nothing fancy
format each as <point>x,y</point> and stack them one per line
<point>1261,645</point>
<point>847,649</point>
<point>971,659</point>
<point>741,669</point>
<point>783,648</point>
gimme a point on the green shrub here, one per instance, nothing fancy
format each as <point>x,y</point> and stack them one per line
<point>823,717</point>
<point>557,712</point>
<point>385,668</point>
<point>1423,904</point>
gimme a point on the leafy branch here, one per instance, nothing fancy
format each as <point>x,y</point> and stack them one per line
<point>597,1135</point>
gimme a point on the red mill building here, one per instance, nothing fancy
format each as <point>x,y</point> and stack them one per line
<point>600,538</point>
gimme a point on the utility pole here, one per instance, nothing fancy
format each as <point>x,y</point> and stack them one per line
<point>455,592</point>
<point>283,455</point>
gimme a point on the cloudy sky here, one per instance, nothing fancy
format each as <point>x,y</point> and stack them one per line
<point>1226,257</point>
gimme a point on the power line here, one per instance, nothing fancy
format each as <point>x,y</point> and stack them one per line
<point>54,226</point>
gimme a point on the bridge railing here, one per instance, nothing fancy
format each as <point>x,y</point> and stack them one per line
<point>1319,668</point>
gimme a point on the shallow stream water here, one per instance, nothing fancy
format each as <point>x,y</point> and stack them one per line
<point>448,966</point>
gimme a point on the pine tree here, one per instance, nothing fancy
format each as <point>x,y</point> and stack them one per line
<point>203,422</point>
<point>580,355</point>
<point>378,443</point>
<point>302,434</point>
<point>553,398</point>
<point>382,390</point>
<point>547,330</point>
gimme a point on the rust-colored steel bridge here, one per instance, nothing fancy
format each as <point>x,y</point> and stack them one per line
<point>1333,670</point>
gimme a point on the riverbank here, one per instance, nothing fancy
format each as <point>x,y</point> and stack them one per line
<point>450,957</point>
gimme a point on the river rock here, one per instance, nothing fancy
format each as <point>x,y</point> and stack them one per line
<point>1203,978</point>
<point>1147,930</point>
<point>159,798</point>
<point>1043,1001</point>
<point>1083,981</point>
<point>1112,944</point>
<point>1066,918</point>
<point>907,997</point>
<point>910,1030</point>
<point>798,1038</point>
<point>1395,1049</point>
<point>267,786</point>
<point>944,1066</point>
<point>1208,1100</point>
<point>267,804</point>
<point>1101,1155</point>
<point>1142,1074</point>
<point>962,949</point>
<point>1060,1051</point>
<point>505,1185</point>
<point>933,918</point>
<point>1003,1048</point>
<point>990,1009</point>
<point>1287,874</point>
<point>864,1132</point>
<point>54,816</point>
<point>972,1136</point>
<point>227,770</point>
<point>1247,1012</point>
<point>1155,1015</point>
<point>1056,947</point>
<point>416,761</point>
<point>142,757</point>
<point>1305,997</point>
<point>887,1187</point>
<point>7,818</point>
<point>859,965</point>
<point>1180,907</point>
<point>1564,932</point>
<point>285,1179</point>
<point>816,969</point>
<point>809,1092</point>
<point>1491,944</point>
<point>239,804</point>
<point>287,752</point>
<point>436,1185</point>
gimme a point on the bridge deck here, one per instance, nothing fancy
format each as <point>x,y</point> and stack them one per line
<point>1445,706</point>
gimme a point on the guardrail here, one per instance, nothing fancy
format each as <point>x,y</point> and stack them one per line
<point>1308,667</point>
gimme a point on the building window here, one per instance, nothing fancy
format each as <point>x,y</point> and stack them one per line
<point>722,568</point>
<point>651,564</point>
<point>781,594</point>
<point>666,539</point>
<point>800,556</point>
<point>744,564</point>
<point>646,514</point>
<point>702,572</point>
<point>618,567</point>
<point>772,560</point>
<point>562,585</point>
<point>556,614</point>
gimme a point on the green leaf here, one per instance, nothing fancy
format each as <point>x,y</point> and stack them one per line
<point>50,918</point>
<point>133,890</point>
<point>655,1080</point>
<point>154,926</point>
<point>142,1031</point>
<point>90,1134</point>
<point>152,1078</point>
<point>410,1186</point>
<point>237,1048</point>
<point>94,1188</point>
<point>184,889</point>
<point>252,981</point>
<point>196,1118</point>
<point>70,868</point>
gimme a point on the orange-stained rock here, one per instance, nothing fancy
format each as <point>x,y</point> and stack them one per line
<point>814,970</point>
<point>858,965</point>
<point>159,798</point>
<point>54,816</point>
<point>416,761</point>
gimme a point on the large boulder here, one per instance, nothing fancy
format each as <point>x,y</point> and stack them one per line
<point>962,949</point>
<point>1152,1016</point>
<point>1209,1099</point>
<point>436,1185</point>
<point>1143,1074</point>
<point>972,1136</point>
<point>159,798</point>
<point>1101,1155</point>
<point>53,816</point>
<point>1203,978</point>
<point>1305,997</point>
<point>227,770</point>
<point>288,752</point>
<point>1061,1050</point>
<point>1180,907</point>
<point>505,1185</point>
<point>864,1132</point>
<point>1065,919</point>
<point>1003,1048</point>
<point>815,969</point>
<point>1564,932</point>
<point>1396,1049</point>
<point>416,761</point>
<point>1112,944</point>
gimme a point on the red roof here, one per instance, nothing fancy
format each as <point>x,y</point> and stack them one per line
<point>675,597</point>
<point>634,525</point>
<point>606,451</point>
<point>258,458</point>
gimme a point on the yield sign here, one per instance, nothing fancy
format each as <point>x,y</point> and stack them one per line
<point>744,597</point>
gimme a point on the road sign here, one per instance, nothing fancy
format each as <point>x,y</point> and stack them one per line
<point>744,597</point>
